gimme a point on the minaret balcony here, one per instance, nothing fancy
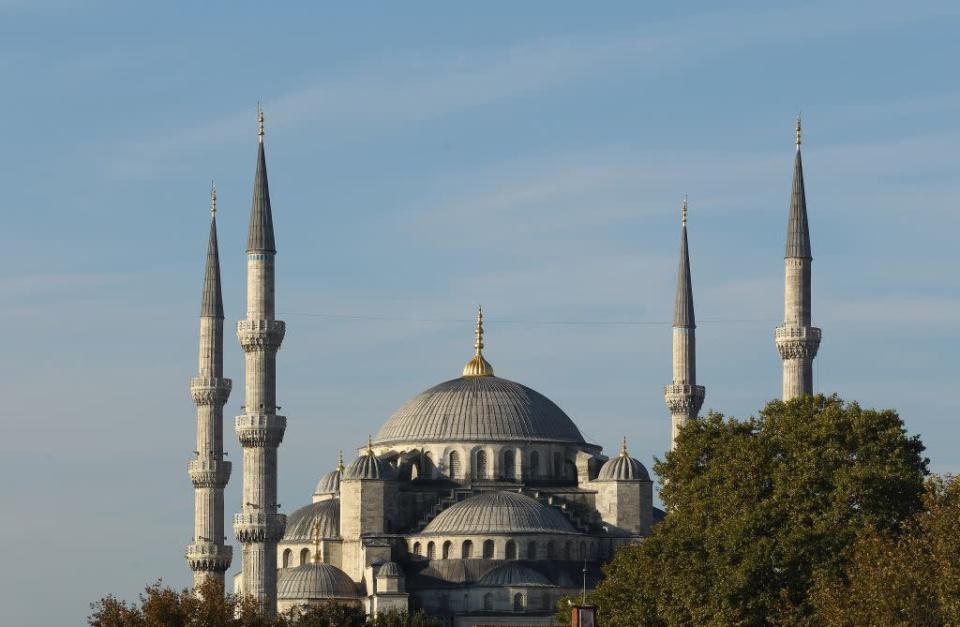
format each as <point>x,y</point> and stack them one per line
<point>260,335</point>
<point>259,526</point>
<point>260,429</point>
<point>210,390</point>
<point>798,342</point>
<point>209,557</point>
<point>209,473</point>
<point>684,398</point>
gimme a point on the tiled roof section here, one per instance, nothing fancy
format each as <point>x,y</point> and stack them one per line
<point>260,235</point>
<point>499,512</point>
<point>315,581</point>
<point>683,303</point>
<point>301,521</point>
<point>514,574</point>
<point>798,232</point>
<point>211,305</point>
<point>623,468</point>
<point>479,408</point>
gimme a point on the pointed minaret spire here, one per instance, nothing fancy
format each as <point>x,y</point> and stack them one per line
<point>684,397</point>
<point>478,366</point>
<point>260,236</point>
<point>797,340</point>
<point>208,556</point>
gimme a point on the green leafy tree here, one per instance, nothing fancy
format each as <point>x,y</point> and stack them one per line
<point>757,507</point>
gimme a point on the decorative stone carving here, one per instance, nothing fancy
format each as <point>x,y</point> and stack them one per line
<point>209,473</point>
<point>210,390</point>
<point>798,342</point>
<point>260,335</point>
<point>258,526</point>
<point>260,429</point>
<point>684,399</point>
<point>209,557</point>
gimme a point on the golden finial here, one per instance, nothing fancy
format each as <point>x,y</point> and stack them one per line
<point>316,540</point>
<point>260,122</point>
<point>478,366</point>
<point>369,444</point>
<point>623,447</point>
<point>340,466</point>
<point>683,212</point>
<point>213,199</point>
<point>798,131</point>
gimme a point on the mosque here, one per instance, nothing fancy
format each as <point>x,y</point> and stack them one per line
<point>478,501</point>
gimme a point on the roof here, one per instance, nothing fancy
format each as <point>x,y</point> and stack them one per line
<point>211,305</point>
<point>479,408</point>
<point>798,231</point>
<point>623,468</point>
<point>260,235</point>
<point>369,466</point>
<point>499,512</point>
<point>514,574</point>
<point>389,569</point>
<point>329,483</point>
<point>315,581</point>
<point>301,521</point>
<point>683,303</point>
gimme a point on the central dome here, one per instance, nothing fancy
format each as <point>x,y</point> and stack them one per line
<point>499,512</point>
<point>485,408</point>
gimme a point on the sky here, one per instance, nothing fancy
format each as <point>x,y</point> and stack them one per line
<point>424,158</point>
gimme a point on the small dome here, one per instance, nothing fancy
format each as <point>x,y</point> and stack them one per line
<point>499,512</point>
<point>369,466</point>
<point>389,569</point>
<point>315,582</point>
<point>329,483</point>
<point>514,574</point>
<point>623,468</point>
<point>300,522</point>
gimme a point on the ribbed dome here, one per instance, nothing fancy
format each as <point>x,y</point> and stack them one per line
<point>369,466</point>
<point>300,522</point>
<point>499,512</point>
<point>315,582</point>
<point>389,569</point>
<point>513,574</point>
<point>329,483</point>
<point>479,408</point>
<point>623,468</point>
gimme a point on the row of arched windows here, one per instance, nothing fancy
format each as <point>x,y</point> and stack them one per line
<point>508,467</point>
<point>553,550</point>
<point>304,557</point>
<point>520,602</point>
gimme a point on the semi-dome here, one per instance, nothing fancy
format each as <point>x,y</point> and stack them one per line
<point>499,512</point>
<point>623,468</point>
<point>317,581</point>
<point>300,523</point>
<point>485,408</point>
<point>513,574</point>
<point>369,466</point>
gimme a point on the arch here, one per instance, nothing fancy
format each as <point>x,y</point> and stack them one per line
<point>509,464</point>
<point>480,467</point>
<point>286,558</point>
<point>488,602</point>
<point>304,556</point>
<point>511,550</point>
<point>416,548</point>
<point>557,465</point>
<point>518,602</point>
<point>534,465</point>
<point>466,549</point>
<point>532,550</point>
<point>454,464</point>
<point>551,550</point>
<point>568,550</point>
<point>488,549</point>
<point>414,471</point>
<point>431,550</point>
<point>446,549</point>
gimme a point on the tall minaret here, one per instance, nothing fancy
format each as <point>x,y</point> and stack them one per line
<point>208,556</point>
<point>259,526</point>
<point>796,339</point>
<point>684,397</point>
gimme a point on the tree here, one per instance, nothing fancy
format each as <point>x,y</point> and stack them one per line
<point>757,507</point>
<point>908,578</point>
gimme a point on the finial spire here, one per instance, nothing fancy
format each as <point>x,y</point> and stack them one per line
<point>213,199</point>
<point>317,530</point>
<point>798,131</point>
<point>683,212</point>
<point>340,466</point>
<point>623,447</point>
<point>369,444</point>
<point>260,122</point>
<point>478,366</point>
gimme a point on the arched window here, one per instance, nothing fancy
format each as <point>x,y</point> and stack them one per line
<point>431,551</point>
<point>534,471</point>
<point>428,468</point>
<point>557,466</point>
<point>511,550</point>
<point>531,550</point>
<point>583,551</point>
<point>466,551</point>
<point>518,602</point>
<point>488,602</point>
<point>481,466</point>
<point>446,550</point>
<point>546,601</point>
<point>416,548</point>
<point>304,556</point>
<point>454,465</point>
<point>568,551</point>
<point>286,558</point>
<point>488,549</point>
<point>414,471</point>
<point>551,551</point>
<point>509,465</point>
<point>569,471</point>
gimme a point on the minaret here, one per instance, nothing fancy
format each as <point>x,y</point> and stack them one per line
<point>684,397</point>
<point>259,526</point>
<point>208,556</point>
<point>796,339</point>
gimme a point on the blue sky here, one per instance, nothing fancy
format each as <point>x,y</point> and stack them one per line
<point>423,158</point>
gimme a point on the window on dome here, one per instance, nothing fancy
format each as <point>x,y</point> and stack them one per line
<point>488,550</point>
<point>568,551</point>
<point>546,602</point>
<point>557,465</point>
<point>454,465</point>
<point>509,465</point>
<point>467,549</point>
<point>481,467</point>
<point>518,602</point>
<point>531,550</point>
<point>286,558</point>
<point>511,550</point>
<point>551,551</point>
<point>488,602</point>
<point>431,551</point>
<point>304,556</point>
<point>534,470</point>
<point>416,548</point>
<point>446,550</point>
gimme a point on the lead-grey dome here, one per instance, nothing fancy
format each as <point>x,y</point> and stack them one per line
<point>313,582</point>
<point>623,468</point>
<point>479,408</point>
<point>499,512</point>
<point>301,521</point>
<point>369,466</point>
<point>389,569</point>
<point>513,574</point>
<point>329,483</point>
